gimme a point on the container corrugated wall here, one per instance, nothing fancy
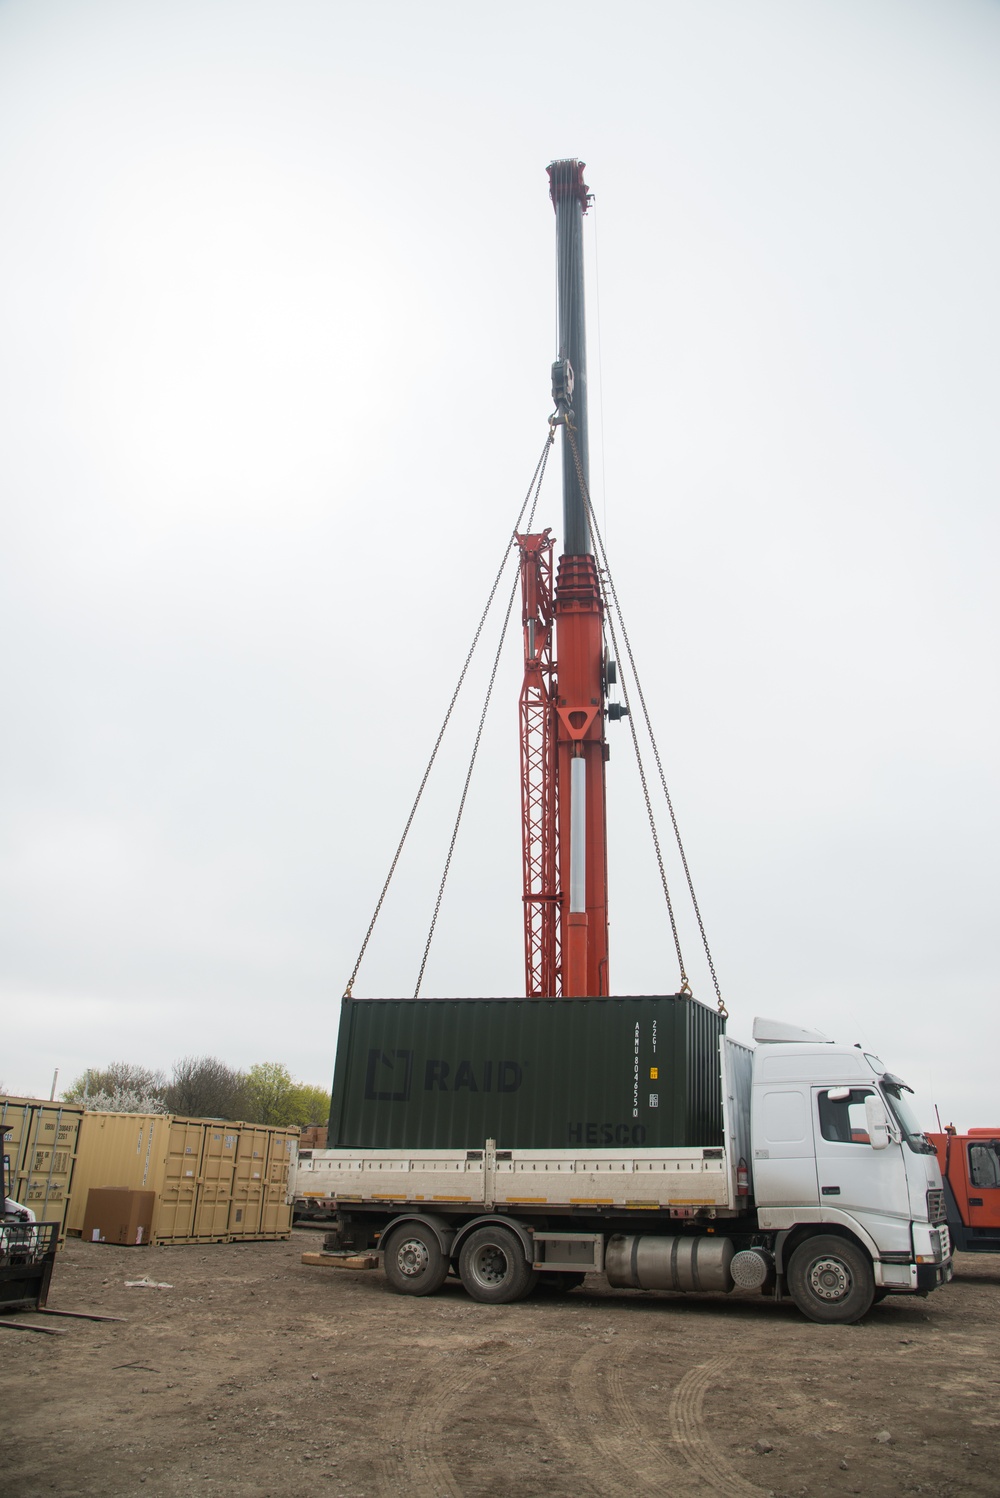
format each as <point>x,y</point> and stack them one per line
<point>276,1210</point>
<point>41,1138</point>
<point>249,1181</point>
<point>210,1178</point>
<point>118,1149</point>
<point>529,1073</point>
<point>215,1191</point>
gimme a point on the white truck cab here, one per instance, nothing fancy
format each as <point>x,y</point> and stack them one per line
<point>835,1142</point>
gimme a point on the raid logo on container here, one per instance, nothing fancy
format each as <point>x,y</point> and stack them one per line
<point>389,1076</point>
<point>484,1076</point>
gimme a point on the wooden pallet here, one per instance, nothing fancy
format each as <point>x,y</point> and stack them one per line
<point>342,1261</point>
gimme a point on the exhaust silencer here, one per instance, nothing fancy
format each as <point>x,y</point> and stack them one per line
<point>633,1262</point>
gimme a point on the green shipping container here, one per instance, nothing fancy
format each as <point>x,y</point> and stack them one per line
<point>530,1073</point>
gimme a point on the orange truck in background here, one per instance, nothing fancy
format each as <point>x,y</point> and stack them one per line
<point>970,1165</point>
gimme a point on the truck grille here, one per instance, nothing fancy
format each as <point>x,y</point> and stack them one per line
<point>935,1205</point>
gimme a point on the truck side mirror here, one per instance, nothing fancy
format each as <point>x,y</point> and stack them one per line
<point>879,1131</point>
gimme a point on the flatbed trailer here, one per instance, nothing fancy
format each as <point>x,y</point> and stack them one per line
<point>822,1188</point>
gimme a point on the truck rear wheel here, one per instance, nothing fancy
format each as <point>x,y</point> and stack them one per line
<point>493,1267</point>
<point>831,1279</point>
<point>414,1263</point>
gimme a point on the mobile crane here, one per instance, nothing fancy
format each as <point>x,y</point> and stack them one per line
<point>564,695</point>
<point>524,1141</point>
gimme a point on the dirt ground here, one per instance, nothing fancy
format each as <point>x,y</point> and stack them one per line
<point>255,1375</point>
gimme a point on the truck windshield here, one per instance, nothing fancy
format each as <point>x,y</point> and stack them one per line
<point>912,1132</point>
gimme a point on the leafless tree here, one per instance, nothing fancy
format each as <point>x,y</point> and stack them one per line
<point>204,1087</point>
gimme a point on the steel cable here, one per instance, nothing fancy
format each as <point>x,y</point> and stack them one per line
<point>479,731</point>
<point>530,497</point>
<point>613,606</point>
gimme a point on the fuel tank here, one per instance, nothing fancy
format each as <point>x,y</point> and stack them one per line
<point>644,1262</point>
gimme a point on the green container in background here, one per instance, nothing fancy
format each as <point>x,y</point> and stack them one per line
<point>607,1073</point>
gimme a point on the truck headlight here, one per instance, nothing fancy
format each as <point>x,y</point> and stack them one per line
<point>938,1246</point>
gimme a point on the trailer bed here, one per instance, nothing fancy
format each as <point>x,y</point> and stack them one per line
<point>678,1180</point>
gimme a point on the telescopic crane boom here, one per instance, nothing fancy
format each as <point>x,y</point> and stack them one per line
<point>563,750</point>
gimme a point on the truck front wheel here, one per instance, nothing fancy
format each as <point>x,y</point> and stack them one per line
<point>831,1279</point>
<point>414,1262</point>
<point>493,1266</point>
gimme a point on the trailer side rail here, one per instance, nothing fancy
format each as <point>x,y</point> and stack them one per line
<point>678,1179</point>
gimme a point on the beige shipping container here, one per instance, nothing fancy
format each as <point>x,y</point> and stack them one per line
<point>275,1214</point>
<point>215,1192</point>
<point>209,1177</point>
<point>41,1140</point>
<point>177,1188</point>
<point>276,1211</point>
<point>249,1181</point>
<point>118,1149</point>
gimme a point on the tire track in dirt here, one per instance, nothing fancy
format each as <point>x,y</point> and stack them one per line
<point>687,1426</point>
<point>424,1470</point>
<point>570,1413</point>
<point>587,1407</point>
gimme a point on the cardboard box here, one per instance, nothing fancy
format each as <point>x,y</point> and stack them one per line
<point>116,1214</point>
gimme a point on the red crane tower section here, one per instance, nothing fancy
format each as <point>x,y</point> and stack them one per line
<point>563,750</point>
<point>581,755</point>
<point>539,784</point>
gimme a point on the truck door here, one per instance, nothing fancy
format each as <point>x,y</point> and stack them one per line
<point>784,1163</point>
<point>984,1183</point>
<point>852,1175</point>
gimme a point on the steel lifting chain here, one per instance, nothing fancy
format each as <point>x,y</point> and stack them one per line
<point>613,607</point>
<point>531,497</point>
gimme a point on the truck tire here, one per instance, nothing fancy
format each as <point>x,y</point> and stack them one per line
<point>493,1267</point>
<point>831,1279</point>
<point>414,1263</point>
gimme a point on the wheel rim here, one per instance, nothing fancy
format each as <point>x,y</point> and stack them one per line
<point>489,1265</point>
<point>829,1279</point>
<point>412,1258</point>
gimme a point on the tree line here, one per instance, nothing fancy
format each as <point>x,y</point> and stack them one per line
<point>203,1087</point>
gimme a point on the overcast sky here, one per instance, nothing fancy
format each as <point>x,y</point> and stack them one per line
<point>277,312</point>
